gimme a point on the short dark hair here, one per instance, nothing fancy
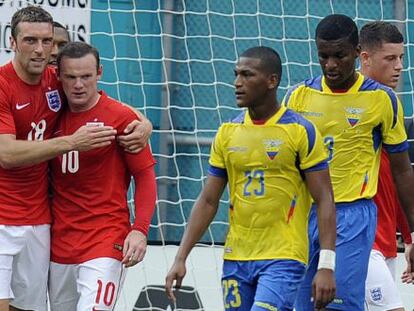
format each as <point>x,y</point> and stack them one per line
<point>59,25</point>
<point>337,26</point>
<point>77,50</point>
<point>30,14</point>
<point>374,34</point>
<point>270,59</point>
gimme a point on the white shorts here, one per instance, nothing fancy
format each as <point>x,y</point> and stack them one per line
<point>92,285</point>
<point>381,292</point>
<point>24,265</point>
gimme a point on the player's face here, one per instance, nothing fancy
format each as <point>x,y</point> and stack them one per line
<point>79,79</point>
<point>337,60</point>
<point>60,39</point>
<point>251,82</point>
<point>384,64</point>
<point>32,48</point>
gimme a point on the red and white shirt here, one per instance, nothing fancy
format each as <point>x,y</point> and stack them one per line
<point>30,112</point>
<point>390,214</point>
<point>90,214</point>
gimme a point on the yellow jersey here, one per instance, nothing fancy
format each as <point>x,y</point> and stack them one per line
<point>269,200</point>
<point>354,125</point>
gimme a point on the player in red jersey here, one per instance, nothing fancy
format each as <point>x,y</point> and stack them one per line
<point>382,60</point>
<point>91,233</point>
<point>60,39</point>
<point>30,104</point>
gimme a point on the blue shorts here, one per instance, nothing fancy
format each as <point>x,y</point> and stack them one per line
<point>261,284</point>
<point>356,224</point>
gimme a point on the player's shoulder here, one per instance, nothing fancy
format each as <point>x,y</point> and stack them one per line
<point>304,86</point>
<point>292,117</point>
<point>238,119</point>
<point>371,85</point>
<point>5,74</point>
<point>117,109</point>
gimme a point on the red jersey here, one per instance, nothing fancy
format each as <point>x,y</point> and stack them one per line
<point>89,207</point>
<point>30,112</point>
<point>389,210</point>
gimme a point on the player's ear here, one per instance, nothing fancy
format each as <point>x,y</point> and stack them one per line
<point>13,43</point>
<point>273,81</point>
<point>100,71</point>
<point>358,50</point>
<point>364,58</point>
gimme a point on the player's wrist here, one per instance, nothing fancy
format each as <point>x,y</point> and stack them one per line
<point>65,143</point>
<point>327,259</point>
<point>412,237</point>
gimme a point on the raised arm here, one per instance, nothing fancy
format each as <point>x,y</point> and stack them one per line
<point>202,214</point>
<point>323,286</point>
<point>404,182</point>
<point>16,153</point>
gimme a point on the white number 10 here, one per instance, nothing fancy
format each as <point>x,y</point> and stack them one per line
<point>70,162</point>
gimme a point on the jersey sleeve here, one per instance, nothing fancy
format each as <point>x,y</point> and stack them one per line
<point>135,161</point>
<point>393,131</point>
<point>7,125</point>
<point>312,152</point>
<point>293,97</point>
<point>217,162</point>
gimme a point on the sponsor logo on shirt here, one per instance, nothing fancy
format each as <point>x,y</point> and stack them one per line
<point>21,106</point>
<point>353,115</point>
<point>237,149</point>
<point>311,114</point>
<point>99,124</point>
<point>53,100</point>
<point>272,147</point>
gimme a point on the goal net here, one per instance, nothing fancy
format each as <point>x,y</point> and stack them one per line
<point>180,64</point>
<point>174,61</point>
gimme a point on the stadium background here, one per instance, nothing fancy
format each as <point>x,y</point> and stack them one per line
<point>174,60</point>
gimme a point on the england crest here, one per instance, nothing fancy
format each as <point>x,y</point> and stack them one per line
<point>53,100</point>
<point>376,294</point>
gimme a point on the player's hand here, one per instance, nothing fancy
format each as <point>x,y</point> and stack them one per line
<point>408,274</point>
<point>323,288</point>
<point>91,137</point>
<point>135,246</point>
<point>137,134</point>
<point>176,273</point>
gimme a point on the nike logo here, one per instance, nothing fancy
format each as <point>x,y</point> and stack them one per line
<point>18,106</point>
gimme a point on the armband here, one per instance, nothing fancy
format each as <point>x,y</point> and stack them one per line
<point>326,259</point>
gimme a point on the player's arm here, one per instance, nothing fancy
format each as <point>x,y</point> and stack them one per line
<point>394,140</point>
<point>135,244</point>
<point>202,214</point>
<point>319,185</point>
<point>403,227</point>
<point>404,182</point>
<point>137,133</point>
<point>17,153</point>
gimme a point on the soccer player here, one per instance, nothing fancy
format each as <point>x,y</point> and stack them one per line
<point>30,104</point>
<point>357,116</point>
<point>382,51</point>
<point>91,234</point>
<point>272,159</point>
<point>60,39</point>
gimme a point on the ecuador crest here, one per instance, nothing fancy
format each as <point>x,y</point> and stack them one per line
<point>353,115</point>
<point>272,147</point>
